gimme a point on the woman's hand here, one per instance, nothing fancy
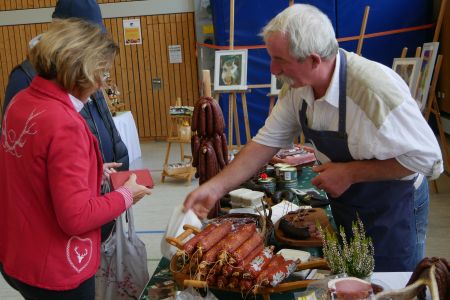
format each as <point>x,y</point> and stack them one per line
<point>138,191</point>
<point>109,168</point>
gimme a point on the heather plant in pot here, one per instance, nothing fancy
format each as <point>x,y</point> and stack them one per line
<point>353,256</point>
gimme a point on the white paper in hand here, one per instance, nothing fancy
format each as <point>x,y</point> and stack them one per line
<point>175,227</point>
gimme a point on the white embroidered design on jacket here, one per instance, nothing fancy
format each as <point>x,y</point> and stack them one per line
<point>12,142</point>
<point>79,252</point>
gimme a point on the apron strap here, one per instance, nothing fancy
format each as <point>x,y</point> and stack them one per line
<point>342,93</point>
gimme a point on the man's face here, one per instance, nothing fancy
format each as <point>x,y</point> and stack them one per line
<point>289,69</point>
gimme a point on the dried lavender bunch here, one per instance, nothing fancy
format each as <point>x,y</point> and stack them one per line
<point>354,257</point>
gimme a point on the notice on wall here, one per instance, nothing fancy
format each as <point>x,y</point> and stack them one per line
<point>175,56</point>
<point>132,32</point>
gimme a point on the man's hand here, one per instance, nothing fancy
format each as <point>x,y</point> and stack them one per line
<point>336,178</point>
<point>201,201</point>
<point>138,191</point>
<point>333,178</point>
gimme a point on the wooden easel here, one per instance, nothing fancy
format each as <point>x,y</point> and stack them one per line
<point>232,102</point>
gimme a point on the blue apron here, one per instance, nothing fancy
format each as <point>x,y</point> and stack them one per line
<point>386,208</point>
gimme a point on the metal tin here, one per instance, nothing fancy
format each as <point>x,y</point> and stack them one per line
<point>278,167</point>
<point>286,184</point>
<point>288,173</point>
<point>269,183</point>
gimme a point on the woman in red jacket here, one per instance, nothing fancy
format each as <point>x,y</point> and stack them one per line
<point>51,169</point>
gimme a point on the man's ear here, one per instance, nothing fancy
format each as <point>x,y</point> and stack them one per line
<point>315,60</point>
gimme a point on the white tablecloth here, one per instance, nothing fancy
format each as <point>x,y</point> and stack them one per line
<point>128,132</point>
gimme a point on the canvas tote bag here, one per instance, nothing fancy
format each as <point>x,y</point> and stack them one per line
<point>123,271</point>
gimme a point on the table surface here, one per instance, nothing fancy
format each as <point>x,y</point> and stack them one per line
<point>388,280</point>
<point>162,273</point>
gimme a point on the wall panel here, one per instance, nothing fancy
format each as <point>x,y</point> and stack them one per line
<point>135,65</point>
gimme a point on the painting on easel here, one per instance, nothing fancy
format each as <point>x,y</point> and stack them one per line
<point>408,69</point>
<point>275,85</point>
<point>230,72</point>
<point>429,54</point>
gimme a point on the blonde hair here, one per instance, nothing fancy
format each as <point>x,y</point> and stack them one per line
<point>308,29</point>
<point>74,53</point>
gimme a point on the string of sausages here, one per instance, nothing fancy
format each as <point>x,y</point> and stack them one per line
<point>208,142</point>
<point>231,255</point>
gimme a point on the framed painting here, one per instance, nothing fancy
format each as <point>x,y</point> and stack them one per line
<point>230,70</point>
<point>275,85</point>
<point>408,69</point>
<point>429,54</point>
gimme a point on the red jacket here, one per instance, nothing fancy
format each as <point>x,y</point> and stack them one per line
<point>51,210</point>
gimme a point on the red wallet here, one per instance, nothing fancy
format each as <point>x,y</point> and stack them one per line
<point>120,177</point>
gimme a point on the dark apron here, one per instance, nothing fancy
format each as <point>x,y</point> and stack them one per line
<point>386,208</point>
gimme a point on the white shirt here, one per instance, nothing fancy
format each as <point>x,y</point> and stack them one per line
<point>383,121</point>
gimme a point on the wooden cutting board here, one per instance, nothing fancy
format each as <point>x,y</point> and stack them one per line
<point>314,215</point>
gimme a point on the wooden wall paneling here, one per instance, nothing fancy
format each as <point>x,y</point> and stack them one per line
<point>2,6</point>
<point>154,117</point>
<point>165,75</point>
<point>15,44</point>
<point>171,70</point>
<point>183,79</point>
<point>7,4</point>
<point>28,35</point>
<point>158,94</point>
<point>187,54</point>
<point>8,46</point>
<point>3,73</point>
<point>193,57</point>
<point>143,62</point>
<point>123,86</point>
<point>137,90</point>
<point>24,42</point>
<point>131,90</point>
<point>176,67</point>
<point>116,75</point>
<point>30,4</point>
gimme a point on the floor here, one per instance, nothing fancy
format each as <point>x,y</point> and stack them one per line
<point>152,212</point>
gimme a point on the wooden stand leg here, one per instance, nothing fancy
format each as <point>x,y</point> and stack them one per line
<point>245,111</point>
<point>236,122</point>
<point>230,121</point>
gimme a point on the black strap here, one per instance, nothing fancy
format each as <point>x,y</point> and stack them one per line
<point>342,93</point>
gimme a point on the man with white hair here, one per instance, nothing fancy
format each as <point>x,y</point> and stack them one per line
<point>374,146</point>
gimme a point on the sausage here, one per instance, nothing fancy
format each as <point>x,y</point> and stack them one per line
<point>246,248</point>
<point>219,121</point>
<point>217,143</point>
<point>212,167</point>
<point>209,119</point>
<point>201,131</point>
<point>201,168</point>
<point>211,280</point>
<point>233,283</point>
<point>277,273</point>
<point>222,281</point>
<point>189,246</point>
<point>235,239</point>
<point>259,263</point>
<point>239,269</point>
<point>195,147</point>
<point>225,148</point>
<point>214,236</point>
<point>195,116</point>
<point>246,284</point>
<point>264,273</point>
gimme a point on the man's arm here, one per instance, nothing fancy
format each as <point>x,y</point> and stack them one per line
<point>336,178</point>
<point>246,163</point>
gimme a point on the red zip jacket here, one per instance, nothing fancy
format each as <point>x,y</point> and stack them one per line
<point>51,210</point>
